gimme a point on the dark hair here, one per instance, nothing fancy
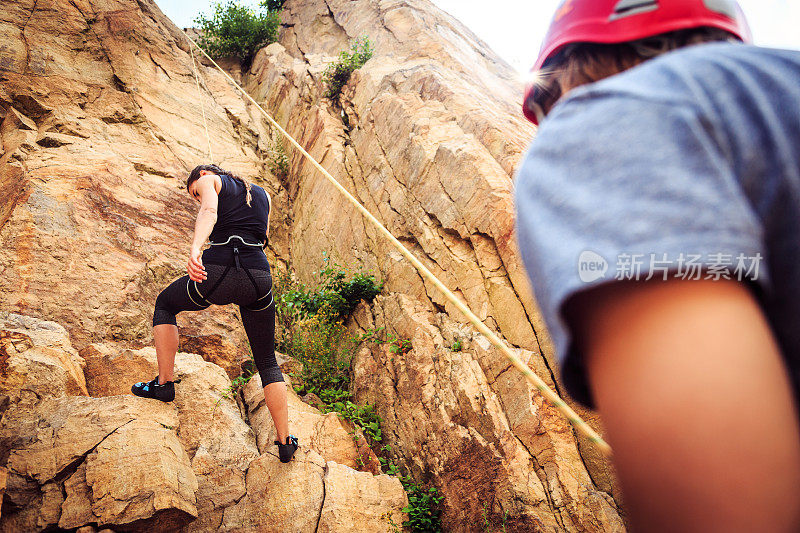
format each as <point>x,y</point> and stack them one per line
<point>194,175</point>
<point>581,63</point>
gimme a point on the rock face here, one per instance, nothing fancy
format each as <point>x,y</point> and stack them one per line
<point>218,442</point>
<point>427,136</point>
<point>36,359</point>
<point>327,434</point>
<point>100,120</point>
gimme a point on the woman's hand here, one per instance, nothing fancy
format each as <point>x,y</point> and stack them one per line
<point>197,272</point>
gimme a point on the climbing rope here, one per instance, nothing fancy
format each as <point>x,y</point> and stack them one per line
<point>200,97</point>
<point>535,380</point>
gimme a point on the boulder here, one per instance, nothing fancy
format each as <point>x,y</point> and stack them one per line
<point>218,442</point>
<point>280,496</point>
<point>214,348</point>
<point>357,501</point>
<point>309,494</point>
<point>113,461</point>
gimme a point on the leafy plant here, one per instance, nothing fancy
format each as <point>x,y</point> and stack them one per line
<point>230,392</point>
<point>389,467</point>
<point>338,73</point>
<point>325,350</point>
<point>423,506</point>
<point>398,345</point>
<point>273,5</point>
<point>372,335</point>
<point>334,296</point>
<point>456,347</point>
<point>236,30</point>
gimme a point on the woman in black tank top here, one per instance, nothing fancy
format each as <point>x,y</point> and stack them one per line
<point>234,214</point>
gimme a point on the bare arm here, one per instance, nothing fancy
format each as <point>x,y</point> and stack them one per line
<point>697,403</point>
<point>206,218</point>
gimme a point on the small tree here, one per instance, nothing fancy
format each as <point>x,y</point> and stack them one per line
<point>273,5</point>
<point>338,73</point>
<point>238,31</point>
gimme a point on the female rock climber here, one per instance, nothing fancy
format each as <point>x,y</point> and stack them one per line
<point>234,216</point>
<point>659,221</point>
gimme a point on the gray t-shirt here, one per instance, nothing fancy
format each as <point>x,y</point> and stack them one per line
<point>685,166</point>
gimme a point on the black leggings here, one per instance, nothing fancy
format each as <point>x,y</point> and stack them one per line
<point>236,287</point>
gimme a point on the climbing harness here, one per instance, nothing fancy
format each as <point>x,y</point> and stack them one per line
<point>262,303</point>
<point>577,422</point>
<point>257,245</point>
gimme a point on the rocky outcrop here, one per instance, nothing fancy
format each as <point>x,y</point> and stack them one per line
<point>330,436</point>
<point>218,442</point>
<point>36,359</point>
<point>427,135</point>
<point>100,121</point>
<point>114,460</point>
<point>486,439</point>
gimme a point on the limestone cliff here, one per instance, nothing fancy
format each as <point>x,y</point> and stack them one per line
<point>428,136</point>
<point>100,119</point>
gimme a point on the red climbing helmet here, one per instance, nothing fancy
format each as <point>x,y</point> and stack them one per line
<point>619,21</point>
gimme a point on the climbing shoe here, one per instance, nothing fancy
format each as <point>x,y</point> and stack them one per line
<point>151,389</point>
<point>286,451</point>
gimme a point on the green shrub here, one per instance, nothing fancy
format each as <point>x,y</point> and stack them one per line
<point>237,30</point>
<point>273,5</point>
<point>338,73</point>
<point>233,389</point>
<point>423,507</point>
<point>325,350</point>
<point>397,345</point>
<point>334,297</point>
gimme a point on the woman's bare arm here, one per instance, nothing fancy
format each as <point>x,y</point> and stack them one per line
<point>697,403</point>
<point>206,218</point>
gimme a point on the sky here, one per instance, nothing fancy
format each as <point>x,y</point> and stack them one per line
<point>515,29</point>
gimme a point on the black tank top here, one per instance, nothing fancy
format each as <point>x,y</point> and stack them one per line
<point>236,218</point>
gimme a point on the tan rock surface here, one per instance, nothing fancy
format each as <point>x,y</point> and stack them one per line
<point>428,137</point>
<point>36,361</point>
<point>483,437</point>
<point>356,501</point>
<point>211,429</point>
<point>99,124</point>
<point>280,495</point>
<point>3,481</point>
<point>332,437</point>
<point>118,460</point>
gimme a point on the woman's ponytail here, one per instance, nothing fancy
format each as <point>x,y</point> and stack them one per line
<point>247,185</point>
